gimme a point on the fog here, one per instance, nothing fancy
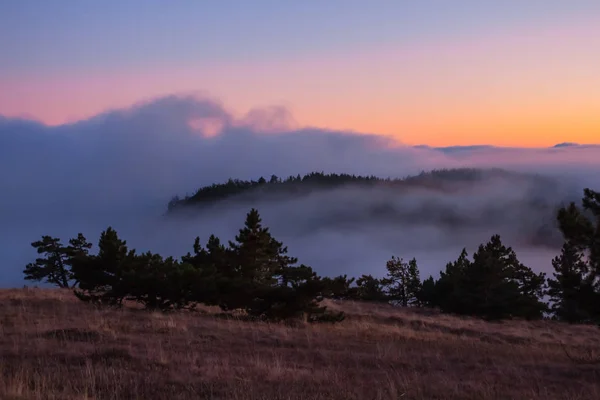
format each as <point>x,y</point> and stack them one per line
<point>121,168</point>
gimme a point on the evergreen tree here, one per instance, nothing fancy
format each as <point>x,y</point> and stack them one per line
<point>498,285</point>
<point>55,267</point>
<point>257,257</point>
<point>571,290</point>
<point>206,273</point>
<point>428,295</point>
<point>295,296</point>
<point>576,287</point>
<point>261,278</point>
<point>155,282</point>
<point>106,277</point>
<point>447,292</point>
<point>200,256</point>
<point>402,281</point>
<point>78,249</point>
<point>339,287</point>
<point>495,285</point>
<point>414,285</point>
<point>369,288</point>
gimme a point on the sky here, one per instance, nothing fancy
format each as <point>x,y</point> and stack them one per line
<point>435,72</point>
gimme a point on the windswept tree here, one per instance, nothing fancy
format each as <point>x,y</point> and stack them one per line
<point>56,265</point>
<point>77,250</point>
<point>402,282</point>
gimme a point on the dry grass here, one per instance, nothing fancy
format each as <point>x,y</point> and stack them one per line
<point>54,347</point>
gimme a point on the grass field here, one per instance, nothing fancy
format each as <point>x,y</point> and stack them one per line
<point>54,347</point>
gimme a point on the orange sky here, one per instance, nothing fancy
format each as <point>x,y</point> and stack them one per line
<point>529,88</point>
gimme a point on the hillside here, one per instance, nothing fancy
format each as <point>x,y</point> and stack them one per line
<point>471,200</point>
<point>441,180</point>
<point>54,347</point>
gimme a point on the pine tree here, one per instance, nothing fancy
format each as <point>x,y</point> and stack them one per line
<point>106,277</point>
<point>158,283</point>
<point>571,289</point>
<point>414,285</point>
<point>206,273</point>
<point>498,285</point>
<point>200,256</point>
<point>495,285</point>
<point>402,281</point>
<point>447,292</point>
<point>78,249</point>
<point>261,278</point>
<point>428,295</point>
<point>295,296</point>
<point>369,288</point>
<point>576,287</point>
<point>339,287</point>
<point>55,267</point>
<point>258,257</point>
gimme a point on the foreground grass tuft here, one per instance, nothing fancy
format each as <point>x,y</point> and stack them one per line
<point>54,347</point>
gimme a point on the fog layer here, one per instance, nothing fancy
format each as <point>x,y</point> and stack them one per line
<point>121,168</point>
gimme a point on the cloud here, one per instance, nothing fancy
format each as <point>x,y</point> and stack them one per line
<point>121,167</point>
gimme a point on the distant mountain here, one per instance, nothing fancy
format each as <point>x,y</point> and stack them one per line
<point>456,149</point>
<point>565,144</point>
<point>477,147</point>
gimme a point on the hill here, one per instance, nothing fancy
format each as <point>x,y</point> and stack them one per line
<point>54,347</point>
<point>441,180</point>
<point>469,199</point>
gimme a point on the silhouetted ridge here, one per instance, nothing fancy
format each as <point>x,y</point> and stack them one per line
<point>435,179</point>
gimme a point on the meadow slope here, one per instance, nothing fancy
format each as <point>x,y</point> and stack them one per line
<point>54,347</point>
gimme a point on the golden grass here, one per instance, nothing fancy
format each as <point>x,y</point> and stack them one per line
<point>54,347</point>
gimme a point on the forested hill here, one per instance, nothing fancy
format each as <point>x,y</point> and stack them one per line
<point>442,179</point>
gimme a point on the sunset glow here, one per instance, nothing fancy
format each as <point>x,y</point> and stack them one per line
<point>525,84</point>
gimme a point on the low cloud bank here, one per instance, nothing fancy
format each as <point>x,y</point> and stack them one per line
<point>121,168</point>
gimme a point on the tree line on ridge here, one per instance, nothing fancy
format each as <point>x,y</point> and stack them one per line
<point>232,187</point>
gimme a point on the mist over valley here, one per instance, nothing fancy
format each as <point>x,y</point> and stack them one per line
<point>122,167</point>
